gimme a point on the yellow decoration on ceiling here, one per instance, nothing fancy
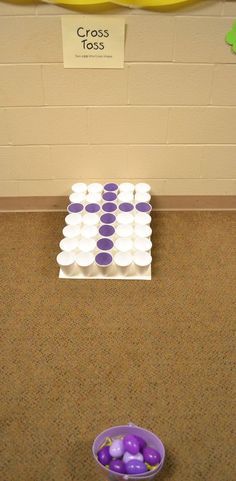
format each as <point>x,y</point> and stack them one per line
<point>127,3</point>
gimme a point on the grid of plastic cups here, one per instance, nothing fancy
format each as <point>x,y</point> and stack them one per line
<point>107,232</point>
<point>118,431</point>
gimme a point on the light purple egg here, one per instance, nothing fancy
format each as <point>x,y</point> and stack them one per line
<point>135,467</point>
<point>128,457</point>
<point>117,448</point>
<point>151,456</point>
<point>142,443</point>
<point>131,444</point>
<point>118,466</point>
<point>104,456</point>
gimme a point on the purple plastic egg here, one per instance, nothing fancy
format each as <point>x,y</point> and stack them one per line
<point>117,448</point>
<point>118,466</point>
<point>135,467</point>
<point>151,456</point>
<point>127,457</point>
<point>104,456</point>
<point>142,443</point>
<point>131,444</point>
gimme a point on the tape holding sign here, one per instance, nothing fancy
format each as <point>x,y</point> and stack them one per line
<point>93,41</point>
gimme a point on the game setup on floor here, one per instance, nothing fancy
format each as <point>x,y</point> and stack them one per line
<point>107,233</point>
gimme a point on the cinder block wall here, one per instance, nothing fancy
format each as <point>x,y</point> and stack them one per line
<point>169,117</point>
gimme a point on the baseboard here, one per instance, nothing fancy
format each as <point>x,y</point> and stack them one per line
<point>163,202</point>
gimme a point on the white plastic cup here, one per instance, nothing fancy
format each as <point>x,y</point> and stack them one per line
<point>66,261</point>
<point>126,187</point>
<point>142,187</point>
<point>142,261</point>
<point>68,245</point>
<point>93,197</point>
<point>142,197</point>
<point>124,230</point>
<point>123,244</point>
<point>73,219</point>
<point>95,187</point>
<point>71,231</point>
<point>142,230</point>
<point>89,231</point>
<point>142,219</point>
<point>86,245</point>
<point>123,262</point>
<point>142,244</point>
<point>91,219</point>
<point>85,263</point>
<point>125,218</point>
<point>79,187</point>
<point>77,197</point>
<point>125,197</point>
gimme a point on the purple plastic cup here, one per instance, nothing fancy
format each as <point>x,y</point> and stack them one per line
<point>106,230</point>
<point>150,438</point>
<point>103,259</point>
<point>92,208</point>
<point>105,244</point>
<point>108,218</point>
<point>109,196</point>
<point>109,207</point>
<point>74,208</point>
<point>111,187</point>
<point>126,207</point>
<point>143,207</point>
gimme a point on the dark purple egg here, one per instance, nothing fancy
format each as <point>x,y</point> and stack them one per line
<point>104,456</point>
<point>131,444</point>
<point>142,443</point>
<point>135,467</point>
<point>151,456</point>
<point>118,466</point>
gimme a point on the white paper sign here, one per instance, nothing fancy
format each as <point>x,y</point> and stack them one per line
<point>93,41</point>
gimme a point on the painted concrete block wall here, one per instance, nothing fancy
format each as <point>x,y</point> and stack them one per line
<point>168,117</point>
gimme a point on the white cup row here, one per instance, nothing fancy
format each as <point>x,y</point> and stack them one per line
<point>124,218</point>
<point>92,231</point>
<point>97,188</point>
<point>125,264</point>
<point>121,244</point>
<point>78,197</point>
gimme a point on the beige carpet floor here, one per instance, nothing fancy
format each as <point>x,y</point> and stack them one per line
<point>80,356</point>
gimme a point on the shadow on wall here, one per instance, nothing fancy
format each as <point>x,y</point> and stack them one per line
<point>101,8</point>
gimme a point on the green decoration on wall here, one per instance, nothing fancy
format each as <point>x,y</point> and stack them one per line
<point>231,37</point>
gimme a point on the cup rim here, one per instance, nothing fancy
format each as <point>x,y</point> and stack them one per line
<point>79,187</point>
<point>120,254</point>
<point>86,242</point>
<point>142,253</point>
<point>84,254</point>
<point>68,240</point>
<point>64,254</point>
<point>103,265</point>
<point>71,227</point>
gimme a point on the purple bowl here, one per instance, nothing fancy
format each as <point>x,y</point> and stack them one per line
<point>143,207</point>
<point>92,208</point>
<point>74,208</point>
<point>108,218</point>
<point>103,259</point>
<point>109,196</point>
<point>109,207</point>
<point>104,244</point>
<point>126,207</point>
<point>106,230</point>
<point>111,187</point>
<point>150,438</point>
